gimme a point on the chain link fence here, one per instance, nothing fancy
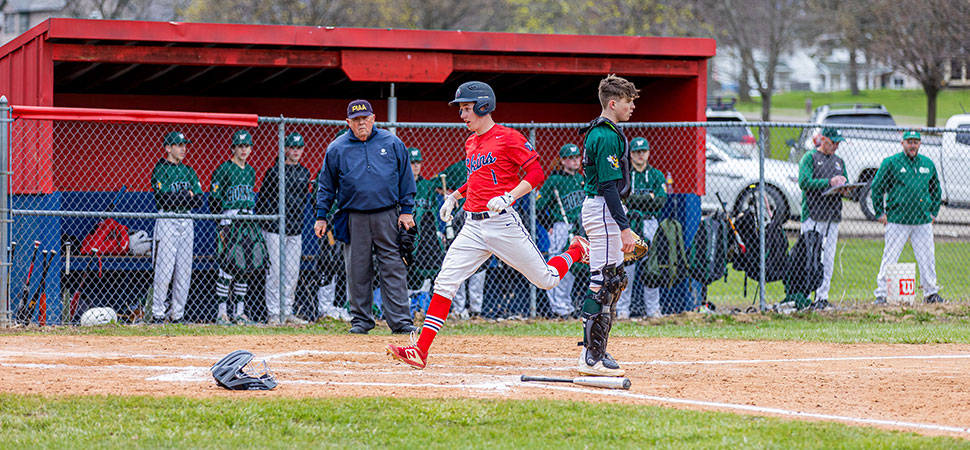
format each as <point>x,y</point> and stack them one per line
<point>78,185</point>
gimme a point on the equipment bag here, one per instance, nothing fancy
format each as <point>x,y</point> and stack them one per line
<point>241,248</point>
<point>776,248</point>
<point>708,253</point>
<point>804,272</point>
<point>666,260</point>
<point>109,237</point>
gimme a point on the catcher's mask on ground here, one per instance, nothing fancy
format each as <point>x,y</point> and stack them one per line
<point>231,373</point>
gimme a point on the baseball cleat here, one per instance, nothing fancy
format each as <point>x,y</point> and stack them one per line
<point>606,367</point>
<point>584,248</point>
<point>411,355</point>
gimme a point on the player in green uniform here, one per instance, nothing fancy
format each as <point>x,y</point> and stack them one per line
<point>177,190</point>
<point>561,198</point>
<point>647,198</point>
<point>240,249</point>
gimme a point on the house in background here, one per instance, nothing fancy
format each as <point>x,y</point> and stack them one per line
<point>22,15</point>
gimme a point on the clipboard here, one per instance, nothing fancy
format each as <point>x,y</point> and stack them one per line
<point>843,188</point>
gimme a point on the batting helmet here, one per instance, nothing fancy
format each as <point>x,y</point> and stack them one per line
<point>480,93</point>
<point>230,373</point>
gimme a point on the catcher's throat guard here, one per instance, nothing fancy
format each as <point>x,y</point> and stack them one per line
<point>234,372</point>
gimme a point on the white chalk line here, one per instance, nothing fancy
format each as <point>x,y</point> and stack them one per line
<point>758,409</point>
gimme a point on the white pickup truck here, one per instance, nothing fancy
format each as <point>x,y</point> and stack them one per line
<point>864,150</point>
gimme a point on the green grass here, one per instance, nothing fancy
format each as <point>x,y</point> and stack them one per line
<point>882,325</point>
<point>907,106</point>
<point>175,422</point>
<point>854,277</point>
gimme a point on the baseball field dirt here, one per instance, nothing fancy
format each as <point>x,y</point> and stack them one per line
<point>919,388</point>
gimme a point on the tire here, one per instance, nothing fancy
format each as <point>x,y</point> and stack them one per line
<point>776,202</point>
<point>865,202</point>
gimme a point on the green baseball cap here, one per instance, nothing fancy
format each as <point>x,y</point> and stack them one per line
<point>414,154</point>
<point>175,138</point>
<point>242,137</point>
<point>294,140</point>
<point>639,144</point>
<point>833,133</point>
<point>912,134</point>
<point>569,150</point>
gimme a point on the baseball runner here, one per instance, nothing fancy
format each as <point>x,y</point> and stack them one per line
<point>647,198</point>
<point>177,189</point>
<point>562,198</point>
<point>906,199</point>
<point>232,194</point>
<point>606,161</point>
<point>494,156</point>
<point>297,179</point>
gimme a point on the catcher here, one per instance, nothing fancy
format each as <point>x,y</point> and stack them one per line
<point>240,249</point>
<point>606,161</point>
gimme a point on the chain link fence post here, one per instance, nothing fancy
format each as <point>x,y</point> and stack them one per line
<point>760,209</point>
<point>281,223</point>
<point>532,230</point>
<point>5,221</point>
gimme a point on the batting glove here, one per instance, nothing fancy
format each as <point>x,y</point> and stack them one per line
<point>497,204</point>
<point>447,207</point>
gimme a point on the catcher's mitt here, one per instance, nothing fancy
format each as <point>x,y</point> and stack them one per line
<point>639,251</point>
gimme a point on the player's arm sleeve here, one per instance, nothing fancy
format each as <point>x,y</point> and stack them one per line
<point>461,190</point>
<point>407,188</point>
<point>534,174</point>
<point>805,172</point>
<point>878,188</point>
<point>326,185</point>
<point>269,188</point>
<point>935,194</point>
<point>611,193</point>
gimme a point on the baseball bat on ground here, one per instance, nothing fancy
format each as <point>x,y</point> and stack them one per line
<point>600,382</point>
<point>76,297</point>
<point>23,316</point>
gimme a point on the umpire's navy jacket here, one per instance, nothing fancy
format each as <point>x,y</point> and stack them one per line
<point>364,176</point>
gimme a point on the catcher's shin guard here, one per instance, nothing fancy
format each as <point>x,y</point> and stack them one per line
<point>594,359</point>
<point>614,282</point>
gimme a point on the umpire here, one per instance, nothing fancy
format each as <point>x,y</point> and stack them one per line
<point>906,198</point>
<point>368,173</point>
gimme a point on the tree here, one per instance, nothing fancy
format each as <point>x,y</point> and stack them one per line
<point>919,37</point>
<point>615,17</point>
<point>760,31</point>
<point>109,9</point>
<point>843,24</point>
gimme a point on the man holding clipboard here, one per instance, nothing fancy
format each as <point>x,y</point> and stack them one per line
<point>822,178</point>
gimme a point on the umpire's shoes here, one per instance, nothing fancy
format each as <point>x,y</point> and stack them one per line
<point>933,298</point>
<point>357,329</point>
<point>606,367</point>
<point>407,329</point>
<point>411,355</point>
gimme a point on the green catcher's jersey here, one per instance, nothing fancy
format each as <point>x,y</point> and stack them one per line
<point>233,186</point>
<point>570,190</point>
<point>604,148</point>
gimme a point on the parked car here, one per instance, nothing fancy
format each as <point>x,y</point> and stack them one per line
<point>734,176</point>
<point>740,137</point>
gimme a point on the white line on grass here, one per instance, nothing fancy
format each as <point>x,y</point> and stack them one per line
<point>758,409</point>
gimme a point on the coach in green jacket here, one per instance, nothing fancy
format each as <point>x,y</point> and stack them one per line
<point>906,199</point>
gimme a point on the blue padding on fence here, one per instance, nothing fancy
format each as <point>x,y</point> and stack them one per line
<point>686,208</point>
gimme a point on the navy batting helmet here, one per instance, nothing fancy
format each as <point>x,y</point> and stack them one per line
<point>230,373</point>
<point>480,93</point>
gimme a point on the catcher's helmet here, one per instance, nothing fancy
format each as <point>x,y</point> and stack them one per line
<point>480,93</point>
<point>230,373</point>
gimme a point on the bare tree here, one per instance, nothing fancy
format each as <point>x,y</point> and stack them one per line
<point>848,25</point>
<point>109,9</point>
<point>616,17</point>
<point>761,31</point>
<point>919,37</point>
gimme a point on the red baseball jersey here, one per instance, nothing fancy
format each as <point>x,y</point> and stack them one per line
<point>494,160</point>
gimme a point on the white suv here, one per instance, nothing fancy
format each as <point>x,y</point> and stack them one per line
<point>740,137</point>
